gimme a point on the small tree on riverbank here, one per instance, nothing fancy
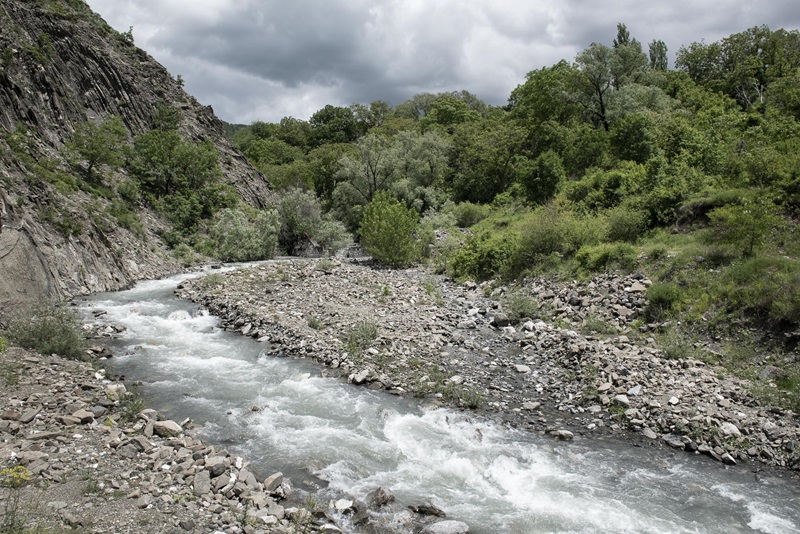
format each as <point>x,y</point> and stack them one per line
<point>389,231</point>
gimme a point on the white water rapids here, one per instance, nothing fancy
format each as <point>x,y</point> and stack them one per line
<point>493,478</point>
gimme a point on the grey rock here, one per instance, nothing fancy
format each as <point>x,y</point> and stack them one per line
<point>202,483</point>
<point>167,429</point>
<point>272,482</point>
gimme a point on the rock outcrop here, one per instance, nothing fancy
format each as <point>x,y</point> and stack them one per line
<point>62,65</point>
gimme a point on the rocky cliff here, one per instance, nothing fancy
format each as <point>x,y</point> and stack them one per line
<point>61,65</point>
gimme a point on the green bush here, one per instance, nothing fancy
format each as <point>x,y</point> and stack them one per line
<point>550,231</point>
<point>184,254</point>
<point>520,305</point>
<point>48,329</point>
<point>483,256</point>
<point>3,344</point>
<point>606,255</point>
<point>468,214</point>
<point>626,224</point>
<point>236,237</point>
<point>768,287</point>
<point>745,225</point>
<point>662,298</point>
<point>360,337</point>
<point>389,231</point>
<point>304,229</point>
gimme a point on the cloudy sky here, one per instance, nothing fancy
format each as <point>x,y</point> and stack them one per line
<point>267,59</point>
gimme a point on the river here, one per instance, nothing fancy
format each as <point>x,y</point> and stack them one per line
<point>282,415</point>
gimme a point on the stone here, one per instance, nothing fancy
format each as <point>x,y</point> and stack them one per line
<point>343,505</point>
<point>427,509</point>
<point>144,501</point>
<point>500,320</point>
<point>635,391</point>
<point>457,379</point>
<point>380,497</point>
<point>446,527</point>
<point>84,416</point>
<point>649,434</point>
<point>217,469</point>
<point>167,429</point>
<point>202,483</point>
<point>29,415</point>
<point>622,400</point>
<point>674,441</point>
<point>524,369</point>
<point>272,482</point>
<point>729,430</point>
<point>565,435</point>
<point>359,377</point>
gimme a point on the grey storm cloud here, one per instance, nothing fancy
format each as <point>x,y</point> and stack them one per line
<point>256,59</point>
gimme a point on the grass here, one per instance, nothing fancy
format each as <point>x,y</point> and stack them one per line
<point>360,337</point>
<point>431,288</point>
<point>519,305</point>
<point>49,328</point>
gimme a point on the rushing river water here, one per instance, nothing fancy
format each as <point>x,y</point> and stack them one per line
<point>495,479</point>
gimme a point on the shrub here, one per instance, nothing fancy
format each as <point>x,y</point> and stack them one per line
<point>603,256</point>
<point>49,328</point>
<point>662,298</point>
<point>389,231</point>
<point>769,287</point>
<point>483,256</point>
<point>238,238</point>
<point>519,306</point>
<point>303,228</point>
<point>360,337</point>
<point>626,224</point>
<point>550,230</point>
<point>3,344</point>
<point>184,254</point>
<point>468,214</point>
<point>745,225</point>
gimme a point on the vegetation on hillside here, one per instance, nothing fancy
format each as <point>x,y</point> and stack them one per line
<point>610,161</point>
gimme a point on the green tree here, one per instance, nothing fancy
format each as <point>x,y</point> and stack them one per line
<point>304,229</point>
<point>333,124</point>
<point>104,143</point>
<point>658,55</point>
<point>632,138</point>
<point>237,237</point>
<point>628,62</point>
<point>542,176</point>
<point>596,81</point>
<point>483,158</point>
<point>372,171</point>
<point>388,232</point>
<point>746,224</point>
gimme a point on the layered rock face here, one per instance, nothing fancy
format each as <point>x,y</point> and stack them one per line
<point>62,65</point>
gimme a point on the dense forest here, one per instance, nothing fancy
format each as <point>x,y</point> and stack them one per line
<point>610,161</point>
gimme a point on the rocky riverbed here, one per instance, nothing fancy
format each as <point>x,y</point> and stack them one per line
<point>98,462</point>
<point>410,332</point>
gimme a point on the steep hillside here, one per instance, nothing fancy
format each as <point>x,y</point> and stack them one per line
<point>62,66</point>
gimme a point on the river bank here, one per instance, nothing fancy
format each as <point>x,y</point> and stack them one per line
<point>411,333</point>
<point>97,461</point>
